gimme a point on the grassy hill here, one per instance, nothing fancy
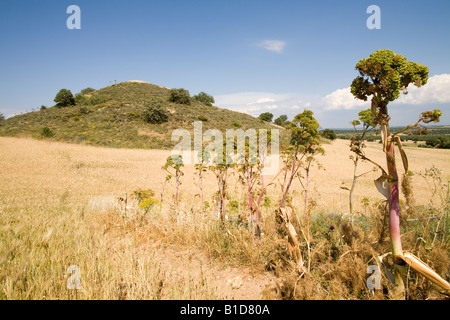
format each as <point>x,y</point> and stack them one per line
<point>113,116</point>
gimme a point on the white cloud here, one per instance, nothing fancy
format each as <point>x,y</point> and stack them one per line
<point>342,99</point>
<point>437,90</point>
<point>336,109</point>
<point>273,45</point>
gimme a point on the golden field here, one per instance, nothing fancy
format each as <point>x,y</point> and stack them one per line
<point>59,207</point>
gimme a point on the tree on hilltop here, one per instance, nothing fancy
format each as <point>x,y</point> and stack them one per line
<point>204,98</point>
<point>64,98</point>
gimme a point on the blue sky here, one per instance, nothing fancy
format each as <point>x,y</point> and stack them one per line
<point>252,56</point>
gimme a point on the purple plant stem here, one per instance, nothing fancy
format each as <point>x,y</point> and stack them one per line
<point>394,206</point>
<point>283,200</point>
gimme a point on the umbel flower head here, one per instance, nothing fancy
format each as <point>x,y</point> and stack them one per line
<point>431,116</point>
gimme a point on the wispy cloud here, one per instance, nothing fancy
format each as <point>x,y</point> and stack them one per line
<point>263,100</point>
<point>273,45</point>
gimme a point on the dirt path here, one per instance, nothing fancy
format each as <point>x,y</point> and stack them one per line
<point>230,283</point>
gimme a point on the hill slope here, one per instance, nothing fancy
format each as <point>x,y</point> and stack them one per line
<point>113,116</point>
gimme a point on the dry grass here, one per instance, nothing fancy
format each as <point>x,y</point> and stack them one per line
<point>58,207</point>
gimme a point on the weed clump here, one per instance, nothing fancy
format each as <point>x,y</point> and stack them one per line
<point>143,194</point>
<point>46,132</point>
<point>148,204</point>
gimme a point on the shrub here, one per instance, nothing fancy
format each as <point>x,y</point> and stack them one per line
<point>236,125</point>
<point>64,98</point>
<point>148,203</point>
<point>438,142</point>
<point>180,96</point>
<point>141,194</point>
<point>154,112</point>
<point>133,116</point>
<point>84,110</point>
<point>281,120</point>
<point>81,99</point>
<point>204,98</point>
<point>329,134</point>
<point>266,116</point>
<point>145,199</point>
<point>46,132</point>
<point>97,99</point>
<point>2,117</point>
<point>202,118</point>
<point>87,90</point>
<point>234,204</point>
<point>43,108</point>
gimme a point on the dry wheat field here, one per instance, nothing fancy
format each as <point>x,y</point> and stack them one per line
<point>60,206</point>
